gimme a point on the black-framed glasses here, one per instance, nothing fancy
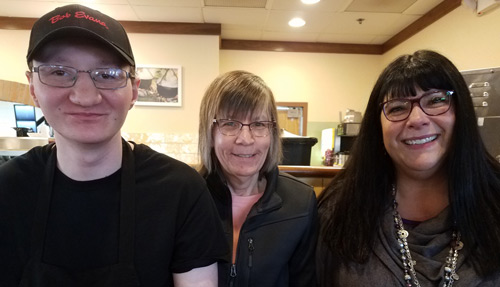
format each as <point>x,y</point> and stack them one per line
<point>65,77</point>
<point>432,103</point>
<point>233,128</point>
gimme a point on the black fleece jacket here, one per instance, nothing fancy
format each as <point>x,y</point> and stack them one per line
<point>277,241</point>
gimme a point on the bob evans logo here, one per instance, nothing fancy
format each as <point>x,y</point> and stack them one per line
<point>79,15</point>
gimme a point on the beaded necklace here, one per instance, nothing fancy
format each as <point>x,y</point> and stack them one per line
<point>410,275</point>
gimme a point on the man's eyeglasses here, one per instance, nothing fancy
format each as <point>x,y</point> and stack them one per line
<point>65,77</point>
<point>233,128</point>
<point>432,103</point>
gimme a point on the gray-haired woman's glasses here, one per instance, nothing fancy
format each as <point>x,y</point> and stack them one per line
<point>432,103</point>
<point>65,77</point>
<point>233,128</point>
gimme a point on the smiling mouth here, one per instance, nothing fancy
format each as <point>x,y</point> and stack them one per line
<point>244,155</point>
<point>420,141</point>
<point>85,114</point>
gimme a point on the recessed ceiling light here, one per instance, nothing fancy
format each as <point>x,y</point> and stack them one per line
<point>310,1</point>
<point>297,22</point>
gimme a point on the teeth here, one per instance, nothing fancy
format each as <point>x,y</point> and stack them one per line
<point>421,141</point>
<point>244,155</point>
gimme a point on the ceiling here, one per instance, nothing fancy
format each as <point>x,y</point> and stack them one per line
<point>329,21</point>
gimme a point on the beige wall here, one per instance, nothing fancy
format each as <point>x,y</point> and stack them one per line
<point>13,55</point>
<point>199,58</point>
<point>328,82</point>
<point>470,41</point>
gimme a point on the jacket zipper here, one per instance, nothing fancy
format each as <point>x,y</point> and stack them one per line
<point>232,274</point>
<point>251,248</point>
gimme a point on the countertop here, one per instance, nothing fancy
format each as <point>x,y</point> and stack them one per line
<point>15,146</point>
<point>310,171</point>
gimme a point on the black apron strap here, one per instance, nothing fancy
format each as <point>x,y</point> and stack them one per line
<point>43,205</point>
<point>127,207</point>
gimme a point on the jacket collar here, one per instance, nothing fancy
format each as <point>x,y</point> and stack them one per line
<point>269,201</point>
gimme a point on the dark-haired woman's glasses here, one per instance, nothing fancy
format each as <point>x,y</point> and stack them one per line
<point>233,128</point>
<point>432,103</point>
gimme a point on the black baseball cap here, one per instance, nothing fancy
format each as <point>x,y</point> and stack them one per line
<point>79,20</point>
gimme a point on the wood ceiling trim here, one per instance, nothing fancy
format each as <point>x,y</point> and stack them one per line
<point>310,47</point>
<point>18,23</point>
<point>172,28</point>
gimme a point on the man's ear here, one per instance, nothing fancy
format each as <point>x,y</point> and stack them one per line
<point>29,76</point>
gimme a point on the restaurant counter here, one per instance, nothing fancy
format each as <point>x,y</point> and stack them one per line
<point>317,176</point>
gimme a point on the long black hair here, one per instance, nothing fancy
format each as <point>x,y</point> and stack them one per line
<point>352,206</point>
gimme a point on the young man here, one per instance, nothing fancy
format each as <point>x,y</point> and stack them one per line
<point>93,209</point>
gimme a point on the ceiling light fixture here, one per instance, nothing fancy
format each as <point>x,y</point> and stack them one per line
<point>297,22</point>
<point>308,2</point>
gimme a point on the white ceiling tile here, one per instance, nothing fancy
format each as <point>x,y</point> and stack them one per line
<point>315,22</point>
<point>237,16</point>
<point>35,9</point>
<point>238,3</point>
<point>241,34</point>
<point>30,9</point>
<point>399,24</point>
<point>173,3</point>
<point>379,39</point>
<point>380,6</point>
<point>119,12</point>
<point>168,14</point>
<point>90,2</point>
<point>323,5</point>
<point>346,38</point>
<point>422,6</point>
<point>374,23</point>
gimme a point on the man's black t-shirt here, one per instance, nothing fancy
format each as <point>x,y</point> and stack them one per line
<point>82,230</point>
<point>177,227</point>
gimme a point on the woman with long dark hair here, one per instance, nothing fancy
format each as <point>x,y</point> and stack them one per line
<point>418,203</point>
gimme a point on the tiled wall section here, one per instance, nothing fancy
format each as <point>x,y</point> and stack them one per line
<point>183,147</point>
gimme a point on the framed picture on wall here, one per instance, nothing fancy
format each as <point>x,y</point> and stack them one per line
<point>160,86</point>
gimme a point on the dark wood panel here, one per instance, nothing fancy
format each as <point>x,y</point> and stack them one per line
<point>430,17</point>
<point>310,171</point>
<point>310,47</point>
<point>172,28</point>
<point>16,23</point>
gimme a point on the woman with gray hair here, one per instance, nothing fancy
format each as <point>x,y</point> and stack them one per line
<point>269,217</point>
